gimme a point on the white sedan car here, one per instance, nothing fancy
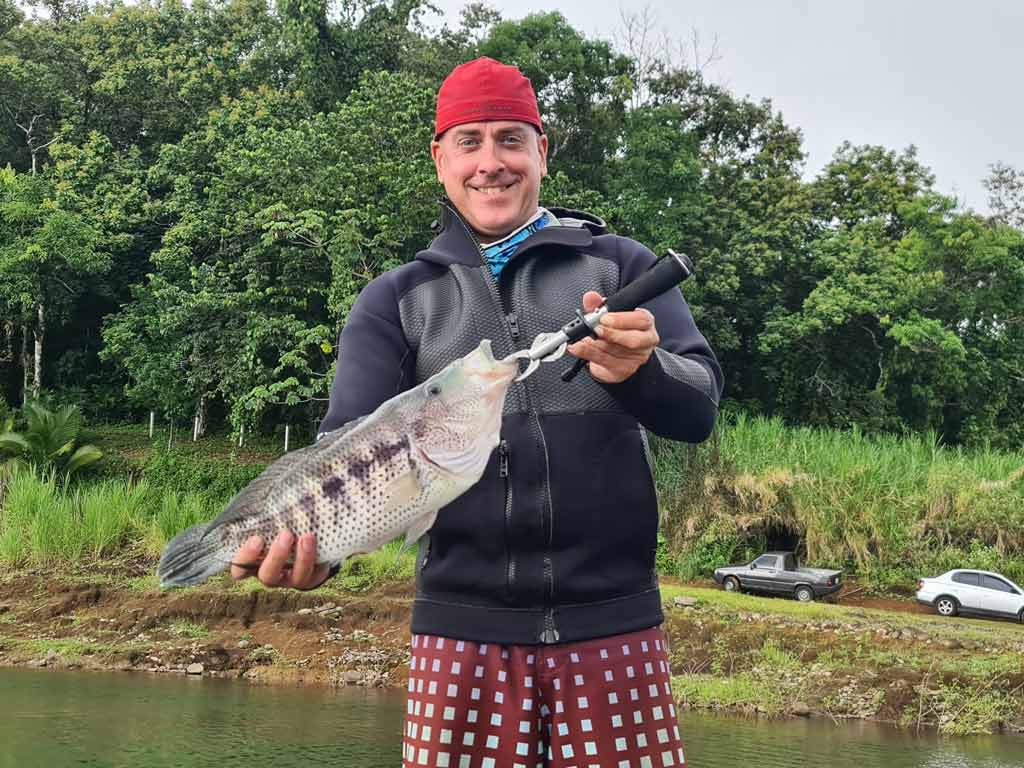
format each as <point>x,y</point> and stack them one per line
<point>975,593</point>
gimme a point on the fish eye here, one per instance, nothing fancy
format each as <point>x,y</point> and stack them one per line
<point>434,390</point>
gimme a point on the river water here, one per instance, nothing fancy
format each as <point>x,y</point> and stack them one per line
<point>63,719</point>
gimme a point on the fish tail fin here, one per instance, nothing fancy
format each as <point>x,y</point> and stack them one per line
<point>190,558</point>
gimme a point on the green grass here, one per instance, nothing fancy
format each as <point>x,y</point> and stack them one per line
<point>189,629</point>
<point>44,522</point>
<point>728,605</point>
<point>69,649</point>
<point>392,562</point>
<point>964,711</point>
<point>988,667</point>
<point>740,691</point>
<point>889,509</point>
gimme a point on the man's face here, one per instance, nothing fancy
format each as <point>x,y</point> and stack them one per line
<point>492,172</point>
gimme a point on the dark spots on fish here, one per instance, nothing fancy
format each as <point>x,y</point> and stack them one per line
<point>308,503</point>
<point>361,469</point>
<point>333,488</point>
<point>385,452</point>
<point>287,520</point>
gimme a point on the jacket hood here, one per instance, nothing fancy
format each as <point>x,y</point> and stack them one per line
<point>456,244</point>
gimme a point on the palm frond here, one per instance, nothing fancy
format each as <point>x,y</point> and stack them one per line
<point>12,442</point>
<point>85,455</point>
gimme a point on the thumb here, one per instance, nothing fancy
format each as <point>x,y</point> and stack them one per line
<point>591,301</point>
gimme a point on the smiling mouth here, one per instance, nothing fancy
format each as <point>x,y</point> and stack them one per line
<point>495,189</point>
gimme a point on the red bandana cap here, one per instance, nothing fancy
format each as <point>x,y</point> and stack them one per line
<point>482,90</point>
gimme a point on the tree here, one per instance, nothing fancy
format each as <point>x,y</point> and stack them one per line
<point>719,177</point>
<point>1005,187</point>
<point>280,220</point>
<point>46,255</point>
<point>914,308</point>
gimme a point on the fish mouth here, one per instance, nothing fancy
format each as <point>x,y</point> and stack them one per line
<point>493,369</point>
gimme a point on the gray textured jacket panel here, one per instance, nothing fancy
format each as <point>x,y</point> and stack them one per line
<point>556,542</point>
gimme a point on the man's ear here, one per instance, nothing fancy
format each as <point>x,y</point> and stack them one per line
<point>542,148</point>
<point>437,152</point>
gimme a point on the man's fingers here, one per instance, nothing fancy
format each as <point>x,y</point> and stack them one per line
<point>636,340</point>
<point>305,561</point>
<point>317,577</point>
<point>247,559</point>
<point>637,320</point>
<point>271,572</point>
<point>591,301</point>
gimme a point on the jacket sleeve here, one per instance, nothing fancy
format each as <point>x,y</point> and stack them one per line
<point>675,393</point>
<point>375,361</point>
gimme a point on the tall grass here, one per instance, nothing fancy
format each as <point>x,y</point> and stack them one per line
<point>44,522</point>
<point>884,506</point>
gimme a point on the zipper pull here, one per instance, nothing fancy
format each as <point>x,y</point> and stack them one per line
<point>550,635</point>
<point>513,325</point>
<point>503,458</point>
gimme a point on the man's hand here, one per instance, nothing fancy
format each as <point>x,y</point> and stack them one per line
<point>274,570</point>
<point>626,341</point>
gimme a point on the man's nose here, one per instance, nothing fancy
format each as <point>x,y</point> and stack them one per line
<point>489,161</point>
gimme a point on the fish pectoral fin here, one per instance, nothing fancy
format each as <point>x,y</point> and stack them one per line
<point>404,489</point>
<point>420,526</point>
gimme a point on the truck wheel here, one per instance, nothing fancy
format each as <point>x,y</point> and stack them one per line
<point>731,584</point>
<point>804,594</point>
<point>946,606</point>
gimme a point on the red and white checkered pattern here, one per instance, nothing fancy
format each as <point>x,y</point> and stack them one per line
<point>597,704</point>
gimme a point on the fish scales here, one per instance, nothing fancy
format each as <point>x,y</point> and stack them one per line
<point>368,482</point>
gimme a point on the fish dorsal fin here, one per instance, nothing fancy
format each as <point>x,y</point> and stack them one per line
<point>255,494</point>
<point>420,526</point>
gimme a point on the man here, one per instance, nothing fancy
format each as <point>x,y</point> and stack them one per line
<point>536,626</point>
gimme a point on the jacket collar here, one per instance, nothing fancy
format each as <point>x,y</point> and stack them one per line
<point>456,243</point>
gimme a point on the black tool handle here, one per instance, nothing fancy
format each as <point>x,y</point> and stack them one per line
<point>666,273</point>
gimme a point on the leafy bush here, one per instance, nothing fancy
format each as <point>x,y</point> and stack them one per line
<point>213,478</point>
<point>664,560</point>
<point>49,439</point>
<point>713,549</point>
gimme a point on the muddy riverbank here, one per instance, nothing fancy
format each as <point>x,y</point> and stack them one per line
<point>736,653</point>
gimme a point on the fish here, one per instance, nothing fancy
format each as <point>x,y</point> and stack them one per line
<point>367,482</point>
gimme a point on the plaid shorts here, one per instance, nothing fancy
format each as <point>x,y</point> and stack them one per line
<point>603,703</point>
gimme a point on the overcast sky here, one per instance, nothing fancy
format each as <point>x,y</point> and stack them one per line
<point>945,76</point>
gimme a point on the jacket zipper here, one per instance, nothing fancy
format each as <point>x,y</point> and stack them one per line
<point>426,554</point>
<point>550,632</point>
<point>513,325</point>
<point>503,472</point>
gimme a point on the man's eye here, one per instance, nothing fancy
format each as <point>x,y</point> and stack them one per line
<point>467,143</point>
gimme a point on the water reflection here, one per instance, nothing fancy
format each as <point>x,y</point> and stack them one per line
<point>65,719</point>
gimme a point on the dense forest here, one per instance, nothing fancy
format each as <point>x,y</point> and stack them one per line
<point>192,196</point>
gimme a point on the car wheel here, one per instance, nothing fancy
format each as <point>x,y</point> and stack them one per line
<point>731,584</point>
<point>946,606</point>
<point>804,594</point>
<point>1020,616</point>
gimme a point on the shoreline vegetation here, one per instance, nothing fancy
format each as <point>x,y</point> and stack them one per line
<point>730,653</point>
<point>78,588</point>
<point>883,509</point>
